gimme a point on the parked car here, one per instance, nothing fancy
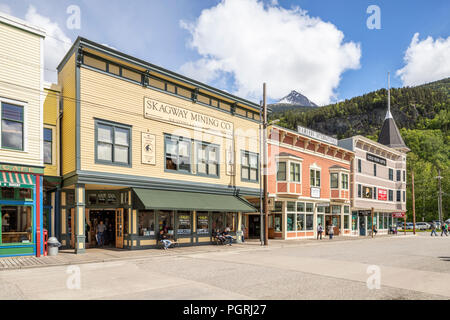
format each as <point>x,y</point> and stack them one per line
<point>423,226</point>
<point>409,226</point>
<point>447,221</point>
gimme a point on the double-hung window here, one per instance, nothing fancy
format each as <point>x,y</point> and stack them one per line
<point>359,166</point>
<point>391,195</point>
<point>207,159</point>
<point>178,154</point>
<point>113,143</point>
<point>314,177</point>
<point>399,172</point>
<point>334,180</point>
<point>48,144</point>
<point>249,166</point>
<point>391,174</point>
<point>281,171</point>
<point>345,181</point>
<point>295,172</point>
<point>12,126</point>
<point>399,196</point>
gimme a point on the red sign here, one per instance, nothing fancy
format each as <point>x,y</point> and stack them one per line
<point>398,214</point>
<point>382,194</point>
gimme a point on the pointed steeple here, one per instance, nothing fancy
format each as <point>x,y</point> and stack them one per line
<point>390,135</point>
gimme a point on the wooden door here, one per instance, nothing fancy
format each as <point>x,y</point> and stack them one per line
<point>72,228</point>
<point>119,228</point>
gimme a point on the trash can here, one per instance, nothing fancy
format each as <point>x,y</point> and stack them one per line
<point>239,236</point>
<point>53,246</point>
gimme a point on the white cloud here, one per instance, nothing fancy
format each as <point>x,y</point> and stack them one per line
<point>56,43</point>
<point>5,8</point>
<point>251,42</point>
<point>425,61</point>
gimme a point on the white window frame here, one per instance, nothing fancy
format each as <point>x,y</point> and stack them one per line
<point>25,125</point>
<point>315,167</point>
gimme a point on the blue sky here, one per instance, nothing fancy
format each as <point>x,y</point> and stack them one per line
<point>152,30</point>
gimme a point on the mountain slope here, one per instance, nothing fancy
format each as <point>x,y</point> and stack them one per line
<point>294,100</point>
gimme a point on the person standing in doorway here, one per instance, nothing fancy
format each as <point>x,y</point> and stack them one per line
<point>101,234</point>
<point>331,231</point>
<point>319,231</point>
<point>433,229</point>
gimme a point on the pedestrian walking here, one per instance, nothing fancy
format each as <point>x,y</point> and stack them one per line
<point>331,231</point>
<point>375,230</point>
<point>101,228</point>
<point>433,229</point>
<point>444,230</point>
<point>319,231</point>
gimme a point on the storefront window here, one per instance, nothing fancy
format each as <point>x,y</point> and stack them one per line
<point>320,209</point>
<point>218,222</point>
<point>346,209</point>
<point>184,223</point>
<point>309,207</point>
<point>7,193</point>
<point>336,209</point>
<point>278,206</point>
<point>381,221</point>
<point>300,207</point>
<point>354,220</point>
<point>165,221</point>
<point>16,224</point>
<point>202,223</point>
<point>300,222</point>
<point>25,194</point>
<point>290,222</point>
<point>146,223</point>
<point>291,206</point>
<point>327,209</point>
<point>277,222</point>
<point>346,221</point>
<point>309,222</point>
<point>231,221</point>
<point>320,219</point>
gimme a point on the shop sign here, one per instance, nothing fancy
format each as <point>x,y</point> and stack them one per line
<point>148,148</point>
<point>365,213</point>
<point>13,168</point>
<point>373,158</point>
<point>316,135</point>
<point>323,204</point>
<point>315,192</point>
<point>367,192</point>
<point>398,214</point>
<point>154,109</point>
<point>382,194</point>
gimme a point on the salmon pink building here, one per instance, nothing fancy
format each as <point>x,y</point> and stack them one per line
<point>308,184</point>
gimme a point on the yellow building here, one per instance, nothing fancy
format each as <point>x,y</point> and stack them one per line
<point>21,133</point>
<point>145,149</point>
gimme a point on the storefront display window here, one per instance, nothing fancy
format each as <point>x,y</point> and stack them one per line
<point>146,223</point>
<point>277,222</point>
<point>202,223</point>
<point>290,222</point>
<point>346,209</point>
<point>354,220</point>
<point>278,206</point>
<point>16,224</point>
<point>346,221</point>
<point>165,221</point>
<point>218,222</point>
<point>309,207</point>
<point>231,221</point>
<point>7,193</point>
<point>300,222</point>
<point>309,222</point>
<point>381,221</point>
<point>184,223</point>
<point>320,219</point>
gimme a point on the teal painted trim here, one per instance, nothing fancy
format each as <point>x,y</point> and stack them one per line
<point>131,181</point>
<point>16,245</point>
<point>17,255</point>
<point>26,166</point>
<point>116,54</point>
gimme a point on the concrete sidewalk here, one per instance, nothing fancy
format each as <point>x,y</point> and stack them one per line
<point>95,255</point>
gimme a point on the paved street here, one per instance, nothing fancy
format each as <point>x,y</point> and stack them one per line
<point>410,268</point>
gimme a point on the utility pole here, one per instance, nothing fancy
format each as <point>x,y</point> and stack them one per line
<point>261,168</point>
<point>440,195</point>
<point>265,173</point>
<point>413,203</point>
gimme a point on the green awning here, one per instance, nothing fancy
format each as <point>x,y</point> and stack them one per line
<point>180,200</point>
<point>17,180</point>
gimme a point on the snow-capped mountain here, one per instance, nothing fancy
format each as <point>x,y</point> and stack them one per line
<point>297,99</point>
